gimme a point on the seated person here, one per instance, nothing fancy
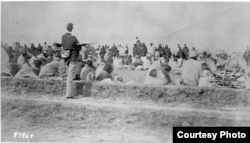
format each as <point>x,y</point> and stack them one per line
<point>106,73</point>
<point>100,67</point>
<point>138,63</point>
<point>88,71</point>
<point>117,62</point>
<point>146,61</point>
<point>127,61</point>
<point>206,76</point>
<point>26,71</point>
<point>173,63</point>
<point>158,73</point>
<point>212,64</point>
<point>36,66</point>
<point>191,70</point>
<point>51,69</point>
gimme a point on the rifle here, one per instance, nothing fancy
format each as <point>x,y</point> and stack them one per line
<point>86,44</point>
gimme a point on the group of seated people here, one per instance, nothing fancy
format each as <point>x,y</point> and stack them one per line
<point>195,70</point>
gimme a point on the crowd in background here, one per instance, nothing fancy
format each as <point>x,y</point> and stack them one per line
<point>99,62</point>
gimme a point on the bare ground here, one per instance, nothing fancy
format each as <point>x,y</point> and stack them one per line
<point>103,120</point>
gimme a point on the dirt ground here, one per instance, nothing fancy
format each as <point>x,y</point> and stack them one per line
<point>55,119</point>
<point>90,125</point>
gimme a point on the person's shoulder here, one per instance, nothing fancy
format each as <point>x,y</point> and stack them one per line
<point>73,37</point>
<point>66,34</point>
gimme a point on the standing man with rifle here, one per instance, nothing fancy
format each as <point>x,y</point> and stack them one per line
<point>70,53</point>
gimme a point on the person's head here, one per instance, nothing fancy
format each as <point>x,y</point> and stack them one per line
<point>214,61</point>
<point>37,63</point>
<point>165,70</point>
<point>70,27</point>
<point>108,68</point>
<point>185,45</point>
<point>164,60</point>
<point>57,54</point>
<point>130,57</point>
<point>204,53</point>
<point>209,55</point>
<point>204,66</point>
<point>89,63</point>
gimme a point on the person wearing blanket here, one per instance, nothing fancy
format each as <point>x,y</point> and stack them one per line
<point>158,73</point>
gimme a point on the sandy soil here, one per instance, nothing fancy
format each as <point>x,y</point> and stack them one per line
<point>94,120</point>
<point>25,117</point>
<point>73,131</point>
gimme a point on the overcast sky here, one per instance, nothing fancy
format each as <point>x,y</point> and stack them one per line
<point>200,24</point>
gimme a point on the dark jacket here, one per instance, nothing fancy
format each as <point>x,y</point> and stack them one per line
<point>103,51</point>
<point>69,42</point>
<point>185,53</point>
<point>180,53</point>
<point>135,51</point>
<point>168,52</point>
<point>161,51</point>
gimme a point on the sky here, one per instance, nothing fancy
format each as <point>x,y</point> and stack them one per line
<point>203,25</point>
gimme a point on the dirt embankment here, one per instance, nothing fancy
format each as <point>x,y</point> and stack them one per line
<point>197,96</point>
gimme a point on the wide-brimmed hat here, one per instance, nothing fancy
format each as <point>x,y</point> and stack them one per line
<point>193,54</point>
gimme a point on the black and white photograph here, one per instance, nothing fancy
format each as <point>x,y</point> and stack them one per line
<point>124,71</point>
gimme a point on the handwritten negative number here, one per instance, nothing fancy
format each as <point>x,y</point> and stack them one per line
<point>23,135</point>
